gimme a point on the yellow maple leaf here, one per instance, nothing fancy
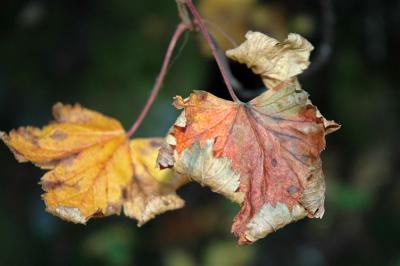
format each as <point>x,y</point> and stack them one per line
<point>94,168</point>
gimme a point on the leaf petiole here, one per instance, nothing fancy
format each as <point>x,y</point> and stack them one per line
<point>180,29</point>
<point>200,23</point>
<point>185,24</point>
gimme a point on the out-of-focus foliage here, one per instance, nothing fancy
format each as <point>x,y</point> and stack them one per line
<point>234,18</point>
<point>106,54</point>
<point>112,245</point>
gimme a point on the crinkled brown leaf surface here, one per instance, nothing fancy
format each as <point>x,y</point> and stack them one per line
<point>264,154</point>
<point>94,169</point>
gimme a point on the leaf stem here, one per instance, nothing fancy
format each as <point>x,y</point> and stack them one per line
<point>199,22</point>
<point>181,28</point>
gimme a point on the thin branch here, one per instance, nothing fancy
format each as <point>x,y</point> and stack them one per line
<point>234,81</point>
<point>180,49</point>
<point>199,22</point>
<point>236,84</point>
<point>182,27</point>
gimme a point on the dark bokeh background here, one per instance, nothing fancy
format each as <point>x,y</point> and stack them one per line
<point>106,55</point>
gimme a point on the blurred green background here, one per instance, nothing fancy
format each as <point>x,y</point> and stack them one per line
<point>106,55</point>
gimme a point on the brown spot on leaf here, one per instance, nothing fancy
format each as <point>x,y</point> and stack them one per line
<point>69,161</point>
<point>124,194</point>
<point>98,214</point>
<point>155,143</point>
<point>165,158</point>
<point>292,189</point>
<point>52,185</point>
<point>59,135</point>
<point>202,96</point>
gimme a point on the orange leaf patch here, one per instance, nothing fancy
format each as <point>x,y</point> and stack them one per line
<point>93,168</point>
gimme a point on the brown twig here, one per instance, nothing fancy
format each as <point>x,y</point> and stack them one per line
<point>237,86</point>
<point>186,23</point>
<point>182,27</point>
<point>199,22</point>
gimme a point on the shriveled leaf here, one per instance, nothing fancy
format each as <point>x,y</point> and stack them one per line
<point>151,191</point>
<point>264,154</point>
<point>92,165</point>
<point>275,61</point>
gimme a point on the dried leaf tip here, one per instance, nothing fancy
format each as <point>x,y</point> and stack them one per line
<point>275,61</point>
<point>179,102</point>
